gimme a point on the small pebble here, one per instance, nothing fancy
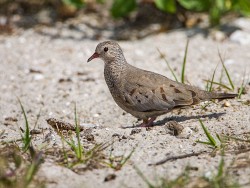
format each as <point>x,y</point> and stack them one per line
<point>109,177</point>
<point>38,77</point>
<point>88,125</point>
<point>174,127</point>
<point>35,131</point>
<point>11,119</point>
<point>186,133</point>
<point>90,137</point>
<point>241,37</point>
<point>135,131</point>
<point>218,35</point>
<point>226,104</point>
<point>116,135</point>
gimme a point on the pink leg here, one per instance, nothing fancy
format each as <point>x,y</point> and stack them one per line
<point>147,123</point>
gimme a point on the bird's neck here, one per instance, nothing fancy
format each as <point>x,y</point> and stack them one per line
<point>113,71</point>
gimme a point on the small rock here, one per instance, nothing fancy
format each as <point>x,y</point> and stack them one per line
<point>116,135</point>
<point>35,71</point>
<point>185,133</point>
<point>35,131</point>
<point>64,80</point>
<point>38,77</point>
<point>218,35</point>
<point>241,37</point>
<point>174,127</point>
<point>88,125</point>
<point>11,119</point>
<point>90,137</point>
<point>243,23</point>
<point>109,177</point>
<point>226,104</point>
<point>135,131</point>
<point>124,137</point>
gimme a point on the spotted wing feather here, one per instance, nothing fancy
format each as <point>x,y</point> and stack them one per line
<point>153,92</point>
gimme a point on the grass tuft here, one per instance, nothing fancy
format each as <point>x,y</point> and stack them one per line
<point>77,155</point>
<point>22,173</point>
<point>181,181</point>
<point>118,162</point>
<point>211,141</point>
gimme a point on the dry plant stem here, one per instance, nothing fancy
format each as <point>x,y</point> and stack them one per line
<point>172,158</point>
<point>62,125</point>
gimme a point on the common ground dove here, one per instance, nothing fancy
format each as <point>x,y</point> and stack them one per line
<point>142,93</point>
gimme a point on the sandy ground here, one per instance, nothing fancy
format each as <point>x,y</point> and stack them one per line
<point>51,74</point>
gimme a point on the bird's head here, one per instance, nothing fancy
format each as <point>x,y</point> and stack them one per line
<point>108,51</point>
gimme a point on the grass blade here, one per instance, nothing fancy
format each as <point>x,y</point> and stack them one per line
<point>128,157</point>
<point>37,118</point>
<point>224,67</point>
<point>242,87</point>
<point>184,64</point>
<point>220,169</point>
<point>211,83</point>
<point>33,168</point>
<point>220,84</point>
<point>26,137</point>
<point>78,136</point>
<point>209,136</point>
<point>139,172</point>
<point>207,143</point>
<point>171,70</point>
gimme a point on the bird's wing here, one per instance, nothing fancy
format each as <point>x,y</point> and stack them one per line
<point>149,91</point>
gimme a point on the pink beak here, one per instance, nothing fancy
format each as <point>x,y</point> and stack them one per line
<point>95,55</point>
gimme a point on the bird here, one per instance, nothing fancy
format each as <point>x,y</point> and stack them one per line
<point>145,94</point>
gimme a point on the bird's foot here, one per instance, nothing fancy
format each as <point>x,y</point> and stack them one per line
<point>147,123</point>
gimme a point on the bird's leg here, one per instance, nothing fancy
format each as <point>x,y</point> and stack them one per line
<point>147,122</point>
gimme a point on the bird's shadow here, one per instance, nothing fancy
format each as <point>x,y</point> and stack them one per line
<point>180,119</point>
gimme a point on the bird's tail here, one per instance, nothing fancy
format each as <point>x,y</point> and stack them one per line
<point>213,95</point>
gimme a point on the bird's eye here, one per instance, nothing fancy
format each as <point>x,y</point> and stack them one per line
<point>105,49</point>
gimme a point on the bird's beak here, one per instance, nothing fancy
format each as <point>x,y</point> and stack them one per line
<point>95,55</point>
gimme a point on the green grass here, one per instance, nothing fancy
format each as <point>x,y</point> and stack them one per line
<point>225,69</point>
<point>219,84</point>
<point>76,147</point>
<point>15,170</point>
<point>117,163</point>
<point>210,139</point>
<point>26,137</point>
<point>33,167</point>
<point>222,178</point>
<point>184,64</point>
<point>210,84</point>
<point>242,87</point>
<point>80,155</point>
<point>180,181</point>
<point>169,67</point>
<point>144,178</point>
<point>219,179</point>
